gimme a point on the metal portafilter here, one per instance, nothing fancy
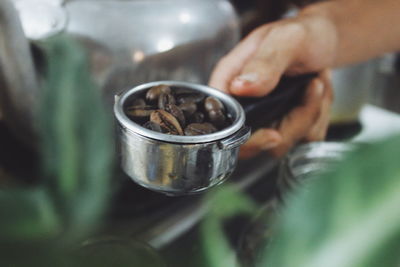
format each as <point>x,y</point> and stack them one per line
<point>179,165</point>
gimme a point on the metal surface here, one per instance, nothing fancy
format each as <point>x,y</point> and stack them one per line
<point>18,84</point>
<point>175,169</point>
<point>175,164</point>
<point>52,19</point>
<point>351,86</point>
<point>143,41</point>
<point>127,43</point>
<point>310,160</point>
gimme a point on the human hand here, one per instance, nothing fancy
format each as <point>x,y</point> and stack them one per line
<point>305,123</point>
<point>256,65</point>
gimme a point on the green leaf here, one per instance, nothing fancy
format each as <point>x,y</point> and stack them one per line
<point>27,215</point>
<point>348,218</point>
<point>77,143</point>
<point>39,225</point>
<point>215,246</point>
<point>224,202</point>
<point>34,254</point>
<point>227,201</point>
<point>114,251</point>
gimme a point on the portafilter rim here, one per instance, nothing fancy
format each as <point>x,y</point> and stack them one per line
<point>228,101</point>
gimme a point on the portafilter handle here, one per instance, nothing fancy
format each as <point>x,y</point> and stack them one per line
<point>268,111</point>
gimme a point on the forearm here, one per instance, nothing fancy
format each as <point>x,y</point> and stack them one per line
<point>364,28</point>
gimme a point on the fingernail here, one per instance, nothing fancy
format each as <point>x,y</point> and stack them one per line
<point>270,144</point>
<point>248,77</point>
<point>319,87</point>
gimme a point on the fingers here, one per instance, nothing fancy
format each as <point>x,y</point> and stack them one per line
<point>262,72</point>
<point>263,139</point>
<point>296,125</point>
<point>318,131</point>
<point>306,122</point>
<point>232,64</point>
<point>255,66</point>
<point>257,79</point>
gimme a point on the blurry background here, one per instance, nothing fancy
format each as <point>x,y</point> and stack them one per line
<point>130,42</point>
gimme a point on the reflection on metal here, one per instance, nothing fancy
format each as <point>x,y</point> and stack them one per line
<point>138,56</point>
<point>18,82</point>
<point>165,45</point>
<point>52,19</point>
<point>185,17</point>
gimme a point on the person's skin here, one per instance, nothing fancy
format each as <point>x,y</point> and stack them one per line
<point>323,35</point>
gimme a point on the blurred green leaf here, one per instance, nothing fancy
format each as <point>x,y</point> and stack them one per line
<point>227,201</point>
<point>33,254</point>
<point>77,149</point>
<point>27,215</point>
<point>76,136</point>
<point>224,202</point>
<point>114,251</point>
<point>348,218</point>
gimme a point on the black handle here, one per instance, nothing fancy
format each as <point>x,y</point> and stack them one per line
<point>269,110</point>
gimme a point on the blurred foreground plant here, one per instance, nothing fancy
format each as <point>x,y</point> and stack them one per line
<point>38,224</point>
<point>348,218</point>
<point>77,143</point>
<point>223,203</point>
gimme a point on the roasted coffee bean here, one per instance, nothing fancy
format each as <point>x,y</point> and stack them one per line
<point>153,126</point>
<point>197,117</point>
<point>199,129</point>
<point>177,113</point>
<point>168,109</point>
<point>192,97</point>
<point>182,90</point>
<point>165,99</point>
<point>188,108</point>
<point>166,121</point>
<point>217,117</point>
<point>137,103</point>
<point>212,103</point>
<point>215,111</point>
<point>154,92</point>
<point>140,111</point>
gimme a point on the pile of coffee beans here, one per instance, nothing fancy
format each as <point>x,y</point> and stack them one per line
<point>178,111</point>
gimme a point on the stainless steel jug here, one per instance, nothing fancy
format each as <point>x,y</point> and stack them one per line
<point>128,43</point>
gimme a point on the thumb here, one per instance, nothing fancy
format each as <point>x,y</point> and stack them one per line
<point>275,54</point>
<point>257,79</point>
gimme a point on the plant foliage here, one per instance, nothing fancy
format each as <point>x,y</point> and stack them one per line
<point>348,218</point>
<point>223,203</point>
<point>76,135</point>
<point>38,224</point>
